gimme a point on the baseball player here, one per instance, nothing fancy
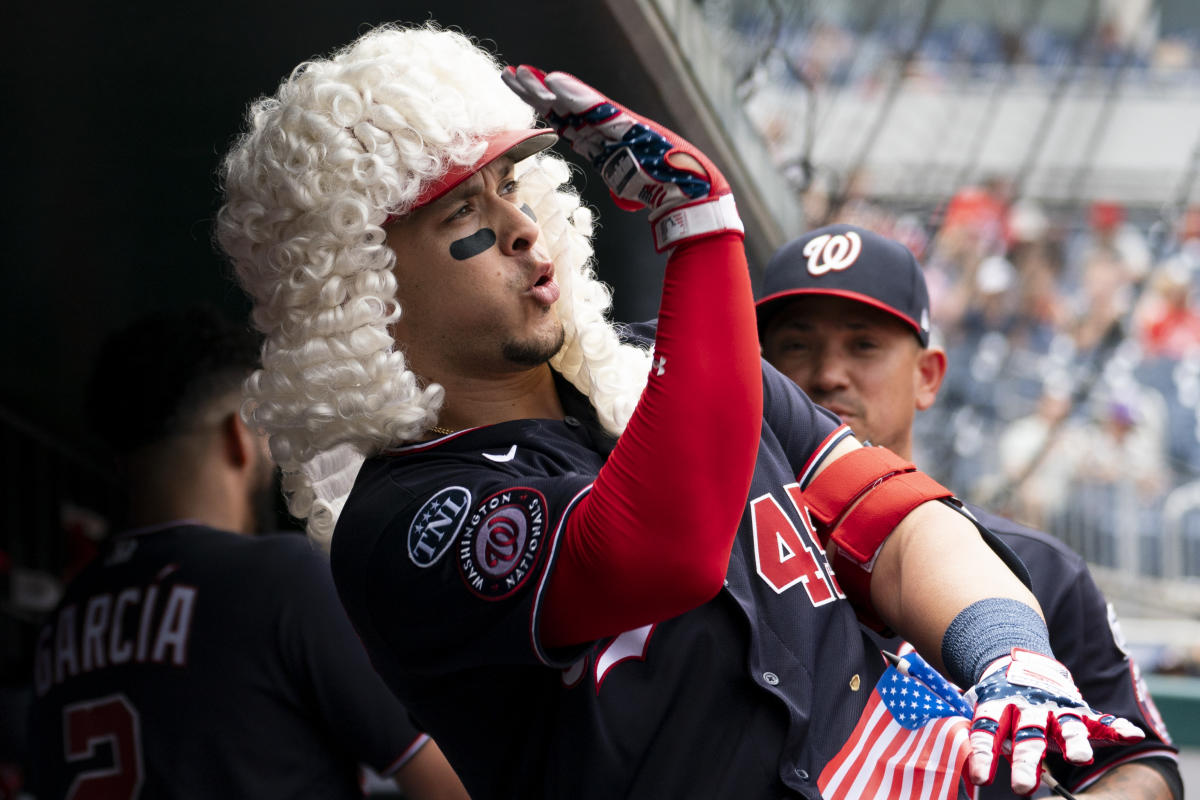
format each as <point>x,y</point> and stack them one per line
<point>588,564</point>
<point>190,659</point>
<point>845,314</point>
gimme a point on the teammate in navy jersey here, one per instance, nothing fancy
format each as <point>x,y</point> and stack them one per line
<point>845,314</point>
<point>190,659</point>
<point>548,549</point>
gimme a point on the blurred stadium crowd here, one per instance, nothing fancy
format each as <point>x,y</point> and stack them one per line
<point>850,42</point>
<point>1074,376</point>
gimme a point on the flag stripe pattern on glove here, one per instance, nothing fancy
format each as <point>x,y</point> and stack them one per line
<point>643,164</point>
<point>1030,701</point>
<point>597,129</point>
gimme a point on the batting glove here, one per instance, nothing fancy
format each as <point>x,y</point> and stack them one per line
<point>1024,701</point>
<point>634,157</point>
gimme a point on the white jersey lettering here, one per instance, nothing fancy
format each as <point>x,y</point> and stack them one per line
<point>70,646</point>
<point>120,649</point>
<point>66,659</point>
<point>144,626</point>
<point>630,644</point>
<point>95,625</point>
<point>174,627</point>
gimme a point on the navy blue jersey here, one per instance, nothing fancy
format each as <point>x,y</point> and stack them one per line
<point>442,555</point>
<point>1086,638</point>
<point>190,662</point>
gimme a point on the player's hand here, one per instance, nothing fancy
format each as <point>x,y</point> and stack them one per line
<point>1025,701</point>
<point>643,164</point>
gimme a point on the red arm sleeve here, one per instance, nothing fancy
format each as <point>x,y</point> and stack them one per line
<point>653,537</point>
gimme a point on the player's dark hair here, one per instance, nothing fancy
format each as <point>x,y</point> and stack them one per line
<point>151,379</point>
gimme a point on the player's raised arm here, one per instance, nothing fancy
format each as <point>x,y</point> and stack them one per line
<point>652,539</point>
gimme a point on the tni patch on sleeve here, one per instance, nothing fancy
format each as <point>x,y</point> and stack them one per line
<point>435,525</point>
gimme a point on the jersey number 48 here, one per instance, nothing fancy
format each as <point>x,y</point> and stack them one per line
<point>785,555</point>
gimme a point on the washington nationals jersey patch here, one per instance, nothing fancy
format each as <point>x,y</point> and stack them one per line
<point>501,542</point>
<point>435,525</point>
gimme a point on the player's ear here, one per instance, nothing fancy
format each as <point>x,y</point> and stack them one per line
<point>237,440</point>
<point>930,371</point>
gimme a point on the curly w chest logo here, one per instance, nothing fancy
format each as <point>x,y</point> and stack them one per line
<point>502,542</point>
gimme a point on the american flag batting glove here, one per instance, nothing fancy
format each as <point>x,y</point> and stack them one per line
<point>634,157</point>
<point>1024,701</point>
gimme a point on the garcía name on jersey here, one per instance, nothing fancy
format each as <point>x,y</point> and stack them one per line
<point>137,625</point>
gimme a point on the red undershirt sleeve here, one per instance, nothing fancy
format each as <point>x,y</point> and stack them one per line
<point>653,537</point>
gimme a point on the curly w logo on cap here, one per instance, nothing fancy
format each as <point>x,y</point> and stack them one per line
<point>886,275</point>
<point>830,251</point>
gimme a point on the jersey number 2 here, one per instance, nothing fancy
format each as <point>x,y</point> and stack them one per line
<point>786,556</point>
<point>110,719</point>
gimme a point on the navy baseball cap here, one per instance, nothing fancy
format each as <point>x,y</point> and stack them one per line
<point>852,262</point>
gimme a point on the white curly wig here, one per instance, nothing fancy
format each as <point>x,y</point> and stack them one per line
<point>345,142</point>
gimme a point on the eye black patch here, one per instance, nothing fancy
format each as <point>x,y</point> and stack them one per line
<point>527,211</point>
<point>473,245</point>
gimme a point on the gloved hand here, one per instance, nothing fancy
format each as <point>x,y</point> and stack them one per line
<point>1023,701</point>
<point>643,164</point>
